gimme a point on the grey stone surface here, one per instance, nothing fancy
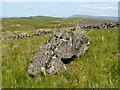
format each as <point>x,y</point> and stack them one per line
<point>107,26</point>
<point>62,46</point>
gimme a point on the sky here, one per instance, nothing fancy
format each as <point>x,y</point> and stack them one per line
<point>59,0</point>
<point>58,9</point>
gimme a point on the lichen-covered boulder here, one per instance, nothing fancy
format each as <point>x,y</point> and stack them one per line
<point>62,46</point>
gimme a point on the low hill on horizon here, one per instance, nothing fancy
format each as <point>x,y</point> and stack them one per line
<point>109,18</point>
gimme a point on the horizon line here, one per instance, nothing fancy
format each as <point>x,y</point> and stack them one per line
<point>56,16</point>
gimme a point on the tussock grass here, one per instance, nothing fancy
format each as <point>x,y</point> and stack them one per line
<point>95,69</point>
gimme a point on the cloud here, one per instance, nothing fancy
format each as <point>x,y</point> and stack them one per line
<point>45,8</point>
<point>33,7</point>
<point>104,15</point>
<point>19,3</point>
<point>85,5</point>
<point>107,8</point>
<point>28,6</point>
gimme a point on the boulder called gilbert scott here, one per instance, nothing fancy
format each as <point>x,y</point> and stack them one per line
<point>63,45</point>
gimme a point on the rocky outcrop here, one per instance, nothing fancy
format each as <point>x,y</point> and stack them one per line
<point>60,48</point>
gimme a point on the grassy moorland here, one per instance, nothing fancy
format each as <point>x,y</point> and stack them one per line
<point>13,26</point>
<point>97,68</point>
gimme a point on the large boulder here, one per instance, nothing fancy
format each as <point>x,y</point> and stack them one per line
<point>62,46</point>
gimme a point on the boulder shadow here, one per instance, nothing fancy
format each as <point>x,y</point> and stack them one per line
<point>68,60</point>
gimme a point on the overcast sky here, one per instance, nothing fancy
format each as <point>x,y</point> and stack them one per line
<point>59,9</point>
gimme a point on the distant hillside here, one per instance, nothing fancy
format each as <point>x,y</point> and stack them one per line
<point>110,18</point>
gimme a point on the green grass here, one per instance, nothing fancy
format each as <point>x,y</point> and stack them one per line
<point>97,68</point>
<point>14,26</point>
<point>9,24</point>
